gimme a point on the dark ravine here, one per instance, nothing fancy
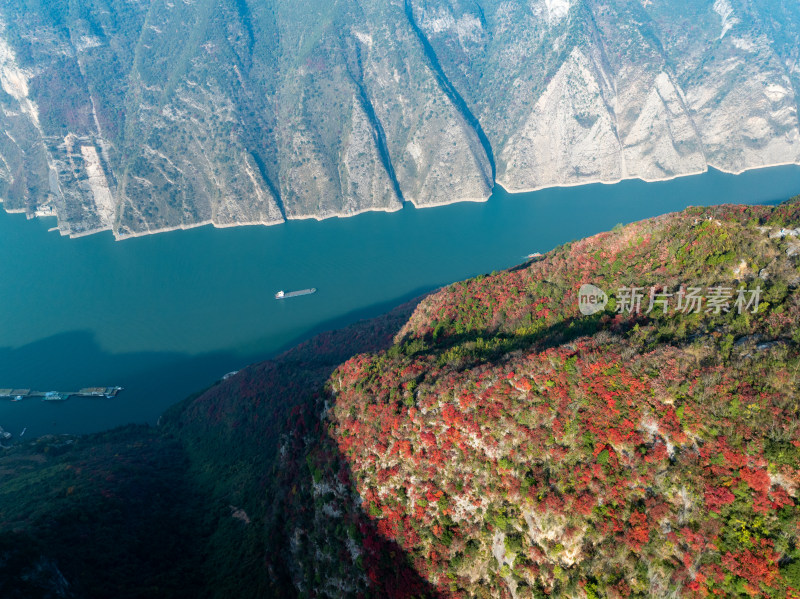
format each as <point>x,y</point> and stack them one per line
<point>369,109</point>
<point>450,90</point>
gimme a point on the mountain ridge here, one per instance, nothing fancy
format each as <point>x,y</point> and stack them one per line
<point>150,116</point>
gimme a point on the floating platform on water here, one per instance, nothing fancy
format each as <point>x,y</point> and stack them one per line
<point>19,394</point>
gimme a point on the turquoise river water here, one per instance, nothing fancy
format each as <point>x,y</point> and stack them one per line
<point>168,314</point>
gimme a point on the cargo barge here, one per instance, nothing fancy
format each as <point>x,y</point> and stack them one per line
<point>287,294</point>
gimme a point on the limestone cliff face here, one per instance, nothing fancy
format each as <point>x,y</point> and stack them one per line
<point>149,115</point>
<point>573,92</point>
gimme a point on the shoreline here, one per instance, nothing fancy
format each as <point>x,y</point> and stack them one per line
<point>183,227</point>
<point>297,217</point>
<point>708,167</point>
<point>319,218</point>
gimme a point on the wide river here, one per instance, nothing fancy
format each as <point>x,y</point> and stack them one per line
<point>166,315</point>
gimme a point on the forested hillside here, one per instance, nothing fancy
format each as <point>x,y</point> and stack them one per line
<point>488,440</point>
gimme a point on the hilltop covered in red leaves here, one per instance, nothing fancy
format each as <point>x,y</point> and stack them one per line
<point>489,440</point>
<point>514,447</point>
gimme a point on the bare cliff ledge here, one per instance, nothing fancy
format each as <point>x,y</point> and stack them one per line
<point>149,115</point>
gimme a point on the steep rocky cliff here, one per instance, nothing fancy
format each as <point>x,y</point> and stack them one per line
<point>140,116</point>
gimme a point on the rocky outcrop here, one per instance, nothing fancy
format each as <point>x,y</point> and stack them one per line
<point>573,93</point>
<point>137,117</point>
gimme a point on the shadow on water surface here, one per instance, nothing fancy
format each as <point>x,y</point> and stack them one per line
<point>152,381</point>
<point>211,300</point>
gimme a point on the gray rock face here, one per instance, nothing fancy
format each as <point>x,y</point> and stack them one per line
<point>139,116</point>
